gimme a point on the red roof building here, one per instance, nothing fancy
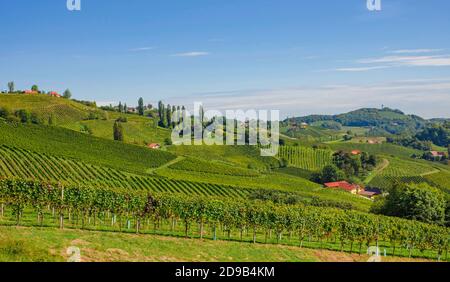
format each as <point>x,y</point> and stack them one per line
<point>54,94</point>
<point>344,185</point>
<point>154,146</point>
<point>356,152</point>
<point>30,92</point>
<point>437,154</point>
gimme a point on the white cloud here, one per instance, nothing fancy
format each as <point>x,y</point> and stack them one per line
<point>430,61</point>
<point>361,69</point>
<point>191,54</point>
<point>427,98</point>
<point>415,51</point>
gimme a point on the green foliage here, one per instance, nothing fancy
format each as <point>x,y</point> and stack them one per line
<point>289,198</point>
<point>439,135</point>
<point>354,165</point>
<point>411,142</point>
<point>305,158</point>
<point>118,131</point>
<point>67,94</point>
<point>24,164</point>
<point>329,173</point>
<point>140,107</point>
<point>415,201</point>
<point>376,149</point>
<point>70,144</point>
<point>11,86</point>
<point>23,115</point>
<point>64,112</point>
<point>305,221</point>
<point>384,121</point>
<point>198,165</point>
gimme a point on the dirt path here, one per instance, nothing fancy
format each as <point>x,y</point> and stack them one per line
<point>178,159</point>
<point>377,171</point>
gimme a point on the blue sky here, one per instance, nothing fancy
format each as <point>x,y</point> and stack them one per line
<point>301,57</point>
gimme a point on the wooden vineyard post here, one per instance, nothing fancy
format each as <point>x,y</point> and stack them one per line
<point>61,214</point>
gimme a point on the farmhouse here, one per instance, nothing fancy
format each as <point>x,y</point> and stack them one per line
<point>154,146</point>
<point>437,154</point>
<point>54,94</point>
<point>30,92</point>
<point>356,152</point>
<point>132,110</point>
<point>368,194</point>
<point>344,185</point>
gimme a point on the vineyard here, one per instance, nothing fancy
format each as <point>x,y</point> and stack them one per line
<point>440,180</point>
<point>70,144</point>
<point>377,149</point>
<point>63,111</point>
<point>306,158</point>
<point>237,156</point>
<point>198,165</point>
<point>20,163</point>
<point>104,209</point>
<point>406,171</point>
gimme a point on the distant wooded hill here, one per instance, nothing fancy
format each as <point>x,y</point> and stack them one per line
<point>384,121</point>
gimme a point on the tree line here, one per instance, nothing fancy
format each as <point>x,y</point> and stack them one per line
<point>35,88</point>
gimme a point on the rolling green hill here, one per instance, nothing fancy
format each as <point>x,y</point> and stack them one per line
<point>64,111</point>
<point>69,114</point>
<point>306,158</point>
<point>382,121</point>
<point>70,144</point>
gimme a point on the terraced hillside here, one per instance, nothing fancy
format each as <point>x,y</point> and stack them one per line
<point>440,179</point>
<point>66,143</point>
<point>198,165</point>
<point>76,116</point>
<point>63,111</point>
<point>378,149</point>
<point>238,156</point>
<point>403,170</point>
<point>24,164</point>
<point>306,158</point>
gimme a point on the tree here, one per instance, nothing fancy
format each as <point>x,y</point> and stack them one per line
<point>415,201</point>
<point>11,86</point>
<point>118,131</point>
<point>125,108</point>
<point>51,120</point>
<point>141,106</point>
<point>67,94</point>
<point>120,107</point>
<point>169,115</point>
<point>23,115</point>
<point>35,88</point>
<point>329,173</point>
<point>4,112</point>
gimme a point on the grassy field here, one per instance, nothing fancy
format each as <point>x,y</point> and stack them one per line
<point>75,116</point>
<point>63,111</point>
<point>137,130</point>
<point>25,244</point>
